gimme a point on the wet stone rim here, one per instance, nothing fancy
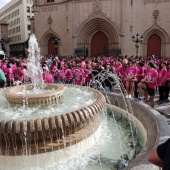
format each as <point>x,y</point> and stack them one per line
<point>43,99</point>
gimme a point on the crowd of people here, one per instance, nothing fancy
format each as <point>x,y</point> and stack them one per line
<point>139,76</point>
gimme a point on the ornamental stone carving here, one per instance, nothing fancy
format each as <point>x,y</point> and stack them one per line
<point>97,7</point>
<point>50,20</point>
<point>156,14</point>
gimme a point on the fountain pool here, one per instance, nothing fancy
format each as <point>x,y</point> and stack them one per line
<point>107,146</point>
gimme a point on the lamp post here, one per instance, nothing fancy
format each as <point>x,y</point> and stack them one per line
<point>56,43</point>
<point>137,40</point>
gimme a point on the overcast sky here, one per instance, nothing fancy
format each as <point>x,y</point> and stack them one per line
<point>3,2</point>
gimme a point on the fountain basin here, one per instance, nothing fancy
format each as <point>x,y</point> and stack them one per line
<point>16,96</point>
<point>65,129</point>
<point>82,150</point>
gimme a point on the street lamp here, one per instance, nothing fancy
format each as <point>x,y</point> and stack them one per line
<point>56,43</point>
<point>137,40</point>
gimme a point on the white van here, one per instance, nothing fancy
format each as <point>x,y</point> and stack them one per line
<point>2,55</point>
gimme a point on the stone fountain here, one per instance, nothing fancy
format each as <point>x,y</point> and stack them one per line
<point>65,129</point>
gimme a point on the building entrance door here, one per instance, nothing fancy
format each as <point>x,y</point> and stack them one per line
<point>99,44</point>
<point>154,45</point>
<point>51,47</point>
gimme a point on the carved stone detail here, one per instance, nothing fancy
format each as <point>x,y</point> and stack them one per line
<point>97,7</point>
<point>50,20</point>
<point>156,14</point>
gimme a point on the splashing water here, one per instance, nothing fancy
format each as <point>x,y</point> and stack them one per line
<point>34,69</point>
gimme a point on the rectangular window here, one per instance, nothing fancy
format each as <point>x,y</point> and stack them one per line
<point>28,18</point>
<point>28,9</point>
<point>50,1</point>
<point>18,20</point>
<point>29,27</point>
<point>32,10</point>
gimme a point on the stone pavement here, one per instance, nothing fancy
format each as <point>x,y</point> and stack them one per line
<point>163,109</point>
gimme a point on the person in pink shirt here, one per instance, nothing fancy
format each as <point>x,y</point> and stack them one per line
<point>78,75</point>
<point>141,71</point>
<point>61,75</point>
<point>54,69</point>
<point>83,64</point>
<point>4,65</point>
<point>118,65</point>
<point>149,84</point>
<point>19,74</point>
<point>131,74</point>
<point>162,82</point>
<point>67,74</point>
<point>9,75</point>
<point>87,75</point>
<point>13,66</point>
<point>47,77</point>
<point>122,72</point>
<point>167,85</point>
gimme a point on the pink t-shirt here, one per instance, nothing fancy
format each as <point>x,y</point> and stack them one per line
<point>122,74</point>
<point>149,75</point>
<point>118,67</point>
<point>78,76</point>
<point>68,74</point>
<point>4,68</point>
<point>168,74</point>
<point>87,75</point>
<point>53,70</point>
<point>48,78</point>
<point>162,74</point>
<point>61,74</point>
<point>9,74</point>
<point>83,65</point>
<point>13,67</point>
<point>168,77</point>
<point>18,74</point>
<point>141,71</point>
<point>131,72</point>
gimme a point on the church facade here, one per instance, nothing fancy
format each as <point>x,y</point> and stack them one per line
<point>97,27</point>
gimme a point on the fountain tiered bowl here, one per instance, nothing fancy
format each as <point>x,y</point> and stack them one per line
<point>58,131</point>
<point>19,94</point>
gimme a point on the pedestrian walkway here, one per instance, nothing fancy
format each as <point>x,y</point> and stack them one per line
<point>163,109</point>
